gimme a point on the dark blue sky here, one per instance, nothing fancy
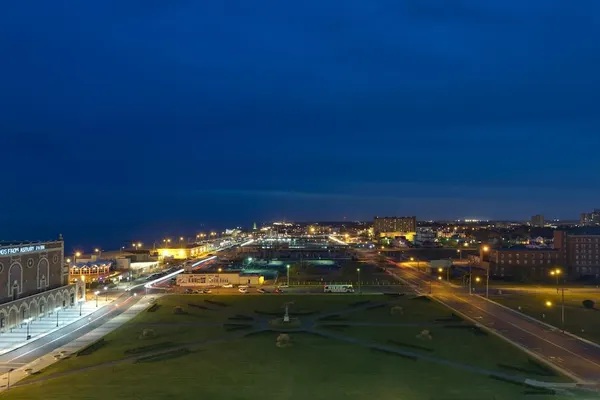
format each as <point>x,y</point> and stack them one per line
<point>119,116</point>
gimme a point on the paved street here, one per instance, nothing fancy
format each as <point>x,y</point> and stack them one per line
<point>37,349</point>
<point>578,359</point>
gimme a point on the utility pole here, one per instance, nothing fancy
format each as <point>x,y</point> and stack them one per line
<point>487,282</point>
<point>470,279</point>
<point>562,317</point>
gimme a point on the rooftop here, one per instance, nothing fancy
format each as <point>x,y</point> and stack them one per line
<point>525,248</point>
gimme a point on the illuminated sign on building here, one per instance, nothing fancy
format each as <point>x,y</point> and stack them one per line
<point>21,250</point>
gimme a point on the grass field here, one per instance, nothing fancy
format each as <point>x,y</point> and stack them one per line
<point>578,320</point>
<point>339,362</point>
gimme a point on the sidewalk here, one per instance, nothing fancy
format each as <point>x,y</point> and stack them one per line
<point>53,321</point>
<point>22,372</point>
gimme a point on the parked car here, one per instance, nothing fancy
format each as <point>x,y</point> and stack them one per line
<point>243,290</point>
<point>277,290</point>
<point>188,291</point>
<point>207,291</point>
<point>261,290</point>
<point>227,285</point>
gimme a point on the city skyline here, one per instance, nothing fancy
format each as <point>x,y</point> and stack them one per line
<point>440,112</point>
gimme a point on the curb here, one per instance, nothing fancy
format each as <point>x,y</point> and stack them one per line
<point>586,341</point>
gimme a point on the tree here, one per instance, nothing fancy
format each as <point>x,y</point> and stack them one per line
<point>589,304</point>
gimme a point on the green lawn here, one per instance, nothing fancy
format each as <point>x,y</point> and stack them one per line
<point>578,320</point>
<point>313,367</point>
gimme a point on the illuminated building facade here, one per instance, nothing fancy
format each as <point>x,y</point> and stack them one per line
<point>33,281</point>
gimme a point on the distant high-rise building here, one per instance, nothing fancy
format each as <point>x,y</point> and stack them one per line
<point>537,221</point>
<point>585,219</point>
<point>384,225</point>
<point>590,219</point>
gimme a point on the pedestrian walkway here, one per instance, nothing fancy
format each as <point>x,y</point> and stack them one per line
<point>55,319</point>
<point>23,371</point>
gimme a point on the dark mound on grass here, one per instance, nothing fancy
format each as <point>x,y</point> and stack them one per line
<point>422,298</point>
<point>153,307</point>
<point>392,353</point>
<point>169,355</point>
<point>410,346</point>
<point>359,303</point>
<point>91,348</point>
<point>146,349</point>
<point>198,306</point>
<point>334,317</point>
<point>216,303</point>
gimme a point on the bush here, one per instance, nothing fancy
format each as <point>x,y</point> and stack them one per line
<point>178,310</point>
<point>589,304</point>
<point>148,333</point>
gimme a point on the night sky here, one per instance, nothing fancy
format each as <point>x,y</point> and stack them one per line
<point>139,118</point>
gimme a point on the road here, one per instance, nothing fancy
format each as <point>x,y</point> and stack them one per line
<point>57,339</point>
<point>578,359</point>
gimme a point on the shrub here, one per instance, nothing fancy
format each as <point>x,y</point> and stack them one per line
<point>397,310</point>
<point>283,340</point>
<point>589,304</point>
<point>148,333</point>
<point>178,310</point>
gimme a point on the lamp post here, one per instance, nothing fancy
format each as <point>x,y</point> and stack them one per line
<point>219,280</point>
<point>28,322</point>
<point>287,267</point>
<point>8,378</point>
<point>80,305</point>
<point>96,293</point>
<point>106,293</point>
<point>77,254</point>
<point>358,272</point>
<point>459,253</point>
<point>57,311</point>
<point>487,274</point>
<point>556,273</point>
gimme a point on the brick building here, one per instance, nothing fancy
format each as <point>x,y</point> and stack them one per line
<point>33,281</point>
<point>580,251</point>
<point>521,262</point>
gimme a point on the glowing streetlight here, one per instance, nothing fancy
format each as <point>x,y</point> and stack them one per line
<point>440,269</point>
<point>96,250</point>
<point>68,260</point>
<point>486,248</point>
<point>358,272</point>
<point>477,279</point>
<point>439,278</point>
<point>287,267</point>
<point>548,303</point>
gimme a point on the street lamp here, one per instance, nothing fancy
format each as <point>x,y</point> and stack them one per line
<point>218,280</point>
<point>77,254</point>
<point>556,273</point>
<point>459,253</point>
<point>477,279</point>
<point>8,378</point>
<point>358,272</point>
<point>287,267</point>
<point>27,322</point>
<point>57,310</point>
<point>97,293</point>
<point>487,275</point>
<point>106,293</point>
